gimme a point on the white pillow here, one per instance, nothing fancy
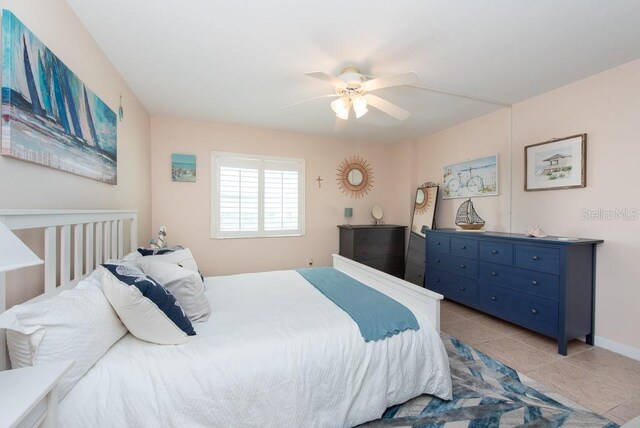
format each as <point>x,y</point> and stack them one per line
<point>134,255</point>
<point>91,281</point>
<point>78,325</point>
<point>182,258</point>
<point>185,285</point>
<point>145,306</point>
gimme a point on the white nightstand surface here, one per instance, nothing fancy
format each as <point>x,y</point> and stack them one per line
<point>22,389</point>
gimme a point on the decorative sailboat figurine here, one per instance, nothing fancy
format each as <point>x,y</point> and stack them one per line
<point>467,218</point>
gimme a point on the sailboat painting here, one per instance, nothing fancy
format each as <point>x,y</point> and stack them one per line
<point>49,116</point>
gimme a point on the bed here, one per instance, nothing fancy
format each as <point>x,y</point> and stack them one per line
<point>275,351</point>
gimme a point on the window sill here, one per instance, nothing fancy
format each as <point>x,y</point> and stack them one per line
<point>288,235</point>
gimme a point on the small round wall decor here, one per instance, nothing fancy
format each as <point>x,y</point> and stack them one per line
<point>355,177</point>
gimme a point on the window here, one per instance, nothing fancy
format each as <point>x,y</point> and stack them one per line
<point>256,196</point>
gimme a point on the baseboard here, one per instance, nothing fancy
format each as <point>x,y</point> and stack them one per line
<point>626,350</point>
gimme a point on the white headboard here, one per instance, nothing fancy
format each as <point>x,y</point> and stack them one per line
<point>93,236</point>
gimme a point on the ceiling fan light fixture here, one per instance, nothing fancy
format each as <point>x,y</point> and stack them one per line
<point>360,106</point>
<point>341,108</point>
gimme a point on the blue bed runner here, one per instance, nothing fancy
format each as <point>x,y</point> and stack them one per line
<point>377,315</point>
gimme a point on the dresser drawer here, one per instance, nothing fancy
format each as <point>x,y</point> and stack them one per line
<point>536,313</point>
<point>496,252</point>
<point>457,265</point>
<point>437,281</point>
<point>378,236</point>
<point>438,243</point>
<point>541,284</point>
<point>454,287</point>
<point>464,247</point>
<point>538,258</point>
<point>463,290</point>
<point>365,251</point>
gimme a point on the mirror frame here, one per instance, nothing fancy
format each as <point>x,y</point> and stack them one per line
<point>425,205</point>
<point>377,221</point>
<point>345,168</point>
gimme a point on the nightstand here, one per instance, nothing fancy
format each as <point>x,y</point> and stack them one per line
<point>28,396</point>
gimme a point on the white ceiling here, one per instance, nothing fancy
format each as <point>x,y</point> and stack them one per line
<point>239,61</point>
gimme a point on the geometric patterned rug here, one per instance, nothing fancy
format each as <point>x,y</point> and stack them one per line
<point>487,394</point>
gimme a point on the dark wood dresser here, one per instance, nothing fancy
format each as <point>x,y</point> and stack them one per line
<point>543,284</point>
<point>381,247</point>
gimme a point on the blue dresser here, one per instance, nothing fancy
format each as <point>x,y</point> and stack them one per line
<point>543,284</point>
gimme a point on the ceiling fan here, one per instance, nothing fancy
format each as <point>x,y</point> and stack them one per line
<point>353,91</point>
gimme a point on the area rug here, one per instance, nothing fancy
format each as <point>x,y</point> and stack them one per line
<point>487,394</point>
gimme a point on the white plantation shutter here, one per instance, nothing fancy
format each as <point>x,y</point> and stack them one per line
<point>256,196</point>
<point>238,199</point>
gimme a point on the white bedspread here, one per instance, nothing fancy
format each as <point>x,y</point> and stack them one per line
<point>275,352</point>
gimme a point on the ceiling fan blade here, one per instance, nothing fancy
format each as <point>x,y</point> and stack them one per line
<point>387,107</point>
<point>340,125</point>
<point>310,99</point>
<point>327,77</point>
<point>409,78</point>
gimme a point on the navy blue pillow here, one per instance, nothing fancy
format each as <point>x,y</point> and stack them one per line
<point>152,252</point>
<point>154,291</point>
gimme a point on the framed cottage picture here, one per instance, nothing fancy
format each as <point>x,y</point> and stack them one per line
<point>473,178</point>
<point>557,164</point>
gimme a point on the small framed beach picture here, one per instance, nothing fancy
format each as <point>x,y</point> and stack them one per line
<point>183,168</point>
<point>557,164</point>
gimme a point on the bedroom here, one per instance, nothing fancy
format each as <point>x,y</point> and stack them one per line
<point>560,70</point>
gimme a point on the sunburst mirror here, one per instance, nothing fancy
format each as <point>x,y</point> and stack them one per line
<point>424,208</point>
<point>355,177</point>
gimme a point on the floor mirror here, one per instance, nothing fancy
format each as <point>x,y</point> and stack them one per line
<point>422,219</point>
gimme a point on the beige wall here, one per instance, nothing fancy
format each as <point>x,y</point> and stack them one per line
<point>185,207</point>
<point>25,185</point>
<point>481,137</point>
<point>606,107</point>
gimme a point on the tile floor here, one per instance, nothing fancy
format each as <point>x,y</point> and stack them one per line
<point>600,380</point>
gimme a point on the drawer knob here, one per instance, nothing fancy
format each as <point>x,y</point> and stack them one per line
<point>535,258</point>
<point>493,298</point>
<point>494,273</point>
<point>438,243</point>
<point>534,282</point>
<point>437,260</point>
<point>494,251</point>
<point>534,311</point>
<point>437,280</point>
<point>462,266</point>
<point>462,288</point>
<point>463,247</point>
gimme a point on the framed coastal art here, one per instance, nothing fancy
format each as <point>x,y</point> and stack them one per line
<point>557,164</point>
<point>183,168</point>
<point>49,116</point>
<point>473,178</point>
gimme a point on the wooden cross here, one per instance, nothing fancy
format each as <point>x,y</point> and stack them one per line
<point>319,180</point>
